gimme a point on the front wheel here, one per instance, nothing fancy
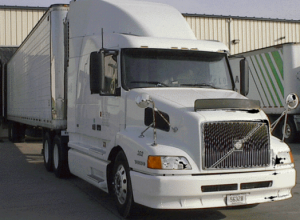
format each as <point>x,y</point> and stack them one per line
<point>122,185</point>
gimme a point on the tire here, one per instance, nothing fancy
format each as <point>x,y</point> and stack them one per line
<point>122,186</point>
<point>48,152</point>
<point>60,158</point>
<point>290,132</point>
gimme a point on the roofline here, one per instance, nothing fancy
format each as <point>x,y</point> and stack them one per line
<point>23,7</point>
<point>240,18</point>
<point>184,14</point>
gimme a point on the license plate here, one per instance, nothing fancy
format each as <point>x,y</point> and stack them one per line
<point>238,199</point>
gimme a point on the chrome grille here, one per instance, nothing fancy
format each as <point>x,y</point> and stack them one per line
<point>219,151</point>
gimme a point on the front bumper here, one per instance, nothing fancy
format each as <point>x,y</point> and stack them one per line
<point>185,192</point>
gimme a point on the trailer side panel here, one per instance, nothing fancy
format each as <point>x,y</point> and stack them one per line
<point>35,80</point>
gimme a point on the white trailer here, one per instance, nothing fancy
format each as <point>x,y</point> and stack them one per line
<point>274,73</point>
<point>36,77</point>
<point>132,103</point>
<point>5,54</point>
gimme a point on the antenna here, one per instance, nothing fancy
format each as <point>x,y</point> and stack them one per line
<point>102,36</point>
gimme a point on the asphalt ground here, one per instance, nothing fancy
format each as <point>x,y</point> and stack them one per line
<point>28,191</point>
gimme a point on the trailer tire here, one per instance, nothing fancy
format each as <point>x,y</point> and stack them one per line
<point>60,158</point>
<point>122,185</point>
<point>48,152</point>
<point>290,132</point>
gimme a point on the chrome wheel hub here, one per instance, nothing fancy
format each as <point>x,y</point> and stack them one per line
<point>120,182</point>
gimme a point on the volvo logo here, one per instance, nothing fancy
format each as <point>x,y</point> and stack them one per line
<point>238,145</point>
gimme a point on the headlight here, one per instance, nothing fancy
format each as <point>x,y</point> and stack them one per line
<point>168,163</point>
<point>284,158</point>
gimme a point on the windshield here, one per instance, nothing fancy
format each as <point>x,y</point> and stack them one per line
<point>174,68</point>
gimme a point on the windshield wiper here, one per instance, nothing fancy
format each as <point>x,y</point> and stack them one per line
<point>158,84</point>
<point>199,85</point>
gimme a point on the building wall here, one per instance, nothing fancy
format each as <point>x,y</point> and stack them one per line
<point>244,34</point>
<point>255,34</point>
<point>206,28</point>
<point>238,33</point>
<point>16,23</point>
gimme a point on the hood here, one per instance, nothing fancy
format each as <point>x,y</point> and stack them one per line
<point>185,97</point>
<point>180,104</point>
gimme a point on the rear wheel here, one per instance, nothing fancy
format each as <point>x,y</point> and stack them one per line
<point>122,185</point>
<point>47,152</point>
<point>60,158</point>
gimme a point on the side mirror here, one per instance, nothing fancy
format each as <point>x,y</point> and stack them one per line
<point>244,76</point>
<point>95,72</point>
<point>292,101</point>
<point>143,100</point>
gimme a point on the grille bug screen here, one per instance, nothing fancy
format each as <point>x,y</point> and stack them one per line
<point>232,145</point>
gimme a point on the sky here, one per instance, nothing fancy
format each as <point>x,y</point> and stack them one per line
<point>275,9</point>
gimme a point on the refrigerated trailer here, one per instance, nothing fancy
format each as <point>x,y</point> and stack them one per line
<point>131,102</point>
<point>6,53</point>
<point>274,73</point>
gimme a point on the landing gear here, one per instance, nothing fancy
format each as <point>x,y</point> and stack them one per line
<point>16,132</point>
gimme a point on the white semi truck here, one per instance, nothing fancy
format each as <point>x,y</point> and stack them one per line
<point>131,102</point>
<point>274,73</point>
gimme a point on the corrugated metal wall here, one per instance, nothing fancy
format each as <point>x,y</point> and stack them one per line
<point>255,34</point>
<point>209,28</point>
<point>239,34</point>
<point>16,24</point>
<point>242,34</point>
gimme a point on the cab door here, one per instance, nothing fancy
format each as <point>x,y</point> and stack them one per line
<point>105,83</point>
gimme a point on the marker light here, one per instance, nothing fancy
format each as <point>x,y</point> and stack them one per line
<point>168,163</point>
<point>154,162</point>
<point>291,156</point>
